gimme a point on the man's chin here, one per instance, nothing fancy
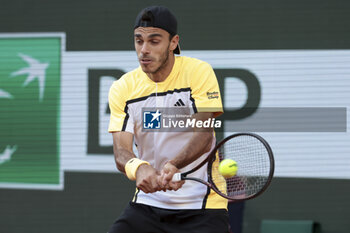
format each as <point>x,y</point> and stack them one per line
<point>147,69</point>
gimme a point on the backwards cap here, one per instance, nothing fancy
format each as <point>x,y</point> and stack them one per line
<point>158,17</point>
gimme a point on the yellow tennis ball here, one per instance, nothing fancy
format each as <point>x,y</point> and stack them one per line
<point>228,168</point>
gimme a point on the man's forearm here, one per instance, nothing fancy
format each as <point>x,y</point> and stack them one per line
<point>122,147</point>
<point>199,144</point>
<point>122,156</point>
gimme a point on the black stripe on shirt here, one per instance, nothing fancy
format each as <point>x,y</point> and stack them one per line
<point>126,118</point>
<point>158,94</point>
<point>135,198</point>
<point>194,104</point>
<point>205,198</point>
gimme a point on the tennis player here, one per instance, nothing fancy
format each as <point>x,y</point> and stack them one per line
<point>165,80</point>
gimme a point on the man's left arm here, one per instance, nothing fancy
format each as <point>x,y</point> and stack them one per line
<point>199,143</point>
<point>207,102</point>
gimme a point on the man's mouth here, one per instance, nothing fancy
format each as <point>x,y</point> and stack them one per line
<point>145,61</point>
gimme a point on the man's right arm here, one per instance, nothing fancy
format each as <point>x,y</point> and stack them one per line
<point>147,178</point>
<point>122,147</point>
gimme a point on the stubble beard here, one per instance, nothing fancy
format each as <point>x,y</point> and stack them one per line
<point>164,59</point>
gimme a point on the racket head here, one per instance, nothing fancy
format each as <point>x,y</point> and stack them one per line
<point>255,162</point>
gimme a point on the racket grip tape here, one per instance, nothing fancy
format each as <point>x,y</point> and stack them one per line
<point>176,177</point>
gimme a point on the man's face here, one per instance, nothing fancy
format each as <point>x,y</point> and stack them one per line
<point>152,48</point>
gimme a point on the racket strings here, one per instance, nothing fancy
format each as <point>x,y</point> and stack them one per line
<point>253,167</point>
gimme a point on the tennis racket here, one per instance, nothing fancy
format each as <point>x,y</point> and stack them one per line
<point>255,163</point>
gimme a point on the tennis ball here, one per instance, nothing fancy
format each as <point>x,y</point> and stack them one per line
<point>228,168</point>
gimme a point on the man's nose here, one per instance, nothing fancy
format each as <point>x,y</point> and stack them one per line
<point>145,48</point>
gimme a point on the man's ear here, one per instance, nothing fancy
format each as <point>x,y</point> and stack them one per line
<point>174,42</point>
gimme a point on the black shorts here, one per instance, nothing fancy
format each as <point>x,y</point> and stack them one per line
<point>139,218</point>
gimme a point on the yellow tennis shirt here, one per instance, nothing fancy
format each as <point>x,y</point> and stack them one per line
<point>192,83</point>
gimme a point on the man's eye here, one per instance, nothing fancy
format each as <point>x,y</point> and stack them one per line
<point>154,41</point>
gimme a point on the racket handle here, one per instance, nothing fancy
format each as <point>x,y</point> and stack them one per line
<point>176,177</point>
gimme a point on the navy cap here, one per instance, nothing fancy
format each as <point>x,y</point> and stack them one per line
<point>158,17</point>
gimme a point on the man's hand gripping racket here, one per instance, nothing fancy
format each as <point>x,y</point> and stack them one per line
<point>255,162</point>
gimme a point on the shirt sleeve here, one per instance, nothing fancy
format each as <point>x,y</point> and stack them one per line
<point>120,118</point>
<point>205,90</point>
